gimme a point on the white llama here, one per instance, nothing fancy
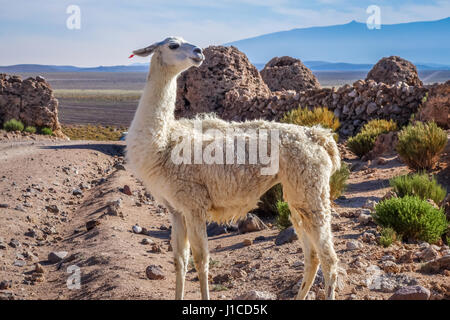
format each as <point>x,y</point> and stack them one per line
<point>196,193</point>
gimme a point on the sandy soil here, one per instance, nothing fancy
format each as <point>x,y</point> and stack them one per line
<point>84,180</point>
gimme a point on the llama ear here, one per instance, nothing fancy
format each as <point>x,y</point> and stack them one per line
<point>144,52</point>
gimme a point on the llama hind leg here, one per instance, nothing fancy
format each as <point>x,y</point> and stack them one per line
<point>321,237</point>
<point>311,266</point>
<point>180,246</point>
<point>310,254</point>
<point>196,230</point>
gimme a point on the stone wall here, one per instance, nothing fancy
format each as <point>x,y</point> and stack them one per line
<point>30,101</point>
<point>230,86</point>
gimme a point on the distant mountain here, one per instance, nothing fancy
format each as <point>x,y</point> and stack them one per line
<point>347,47</point>
<point>38,68</point>
<point>354,43</point>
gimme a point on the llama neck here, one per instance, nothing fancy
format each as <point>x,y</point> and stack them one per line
<point>155,112</point>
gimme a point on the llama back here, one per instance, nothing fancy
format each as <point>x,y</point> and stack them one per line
<point>325,138</point>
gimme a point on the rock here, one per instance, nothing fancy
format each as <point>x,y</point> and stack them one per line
<point>91,224</point>
<point>15,243</point>
<point>19,263</point>
<point>286,73</point>
<point>119,166</point>
<point>77,192</point>
<point>238,273</point>
<point>437,106</point>
<point>390,267</point>
<point>225,75</point>
<point>369,204</point>
<point>385,144</point>
<point>221,278</point>
<point>57,256</point>
<point>38,268</point>
<point>147,241</point>
<point>4,205</point>
<point>52,208</point>
<point>30,101</point>
<point>137,229</point>
<point>429,254</point>
<point>250,224</point>
<point>154,272</point>
<point>127,190</point>
<point>390,194</point>
<point>391,70</point>
<point>365,218</point>
<point>156,248</point>
<point>377,280</point>
<point>247,242</point>
<point>411,293</point>
<point>353,245</point>
<point>215,229</point>
<point>113,208</point>
<point>5,284</point>
<point>437,265</point>
<point>285,236</point>
<point>257,295</point>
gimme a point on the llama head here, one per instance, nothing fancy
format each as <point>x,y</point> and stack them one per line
<point>173,52</point>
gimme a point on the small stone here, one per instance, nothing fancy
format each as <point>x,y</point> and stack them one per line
<point>257,295</point>
<point>436,265</point>
<point>91,224</point>
<point>137,229</point>
<point>52,208</point>
<point>250,224</point>
<point>238,273</point>
<point>77,192</point>
<point>19,207</point>
<point>154,272</point>
<point>5,284</point>
<point>19,263</point>
<point>390,267</point>
<point>156,248</point>
<point>119,166</point>
<point>247,242</point>
<point>286,236</point>
<point>353,245</point>
<point>411,293</point>
<point>38,268</point>
<point>127,190</point>
<point>147,241</point>
<point>298,264</point>
<point>365,218</point>
<point>370,204</point>
<point>57,256</point>
<point>429,254</point>
<point>15,243</point>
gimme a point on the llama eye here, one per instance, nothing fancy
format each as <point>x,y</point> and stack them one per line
<point>174,46</point>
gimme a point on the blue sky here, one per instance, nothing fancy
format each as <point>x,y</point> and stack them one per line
<point>34,31</point>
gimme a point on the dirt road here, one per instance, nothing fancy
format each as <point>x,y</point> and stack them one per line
<point>50,189</point>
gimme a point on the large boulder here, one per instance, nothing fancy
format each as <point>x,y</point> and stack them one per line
<point>437,106</point>
<point>393,69</point>
<point>30,101</point>
<point>286,73</point>
<point>225,76</point>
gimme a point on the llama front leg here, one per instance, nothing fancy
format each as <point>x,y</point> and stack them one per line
<point>196,230</point>
<point>180,246</point>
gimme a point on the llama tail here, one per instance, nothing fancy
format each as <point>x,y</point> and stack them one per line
<point>325,138</point>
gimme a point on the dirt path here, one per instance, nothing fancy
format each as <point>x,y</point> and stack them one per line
<point>51,189</point>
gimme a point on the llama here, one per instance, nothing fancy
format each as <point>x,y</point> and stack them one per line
<point>197,193</point>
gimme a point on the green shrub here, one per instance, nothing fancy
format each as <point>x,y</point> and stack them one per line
<point>388,236</point>
<point>317,116</point>
<point>46,131</point>
<point>338,181</point>
<point>419,185</point>
<point>283,220</point>
<point>364,141</point>
<point>30,129</point>
<point>13,125</point>
<point>268,202</point>
<point>420,144</point>
<point>412,218</point>
<point>380,125</point>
